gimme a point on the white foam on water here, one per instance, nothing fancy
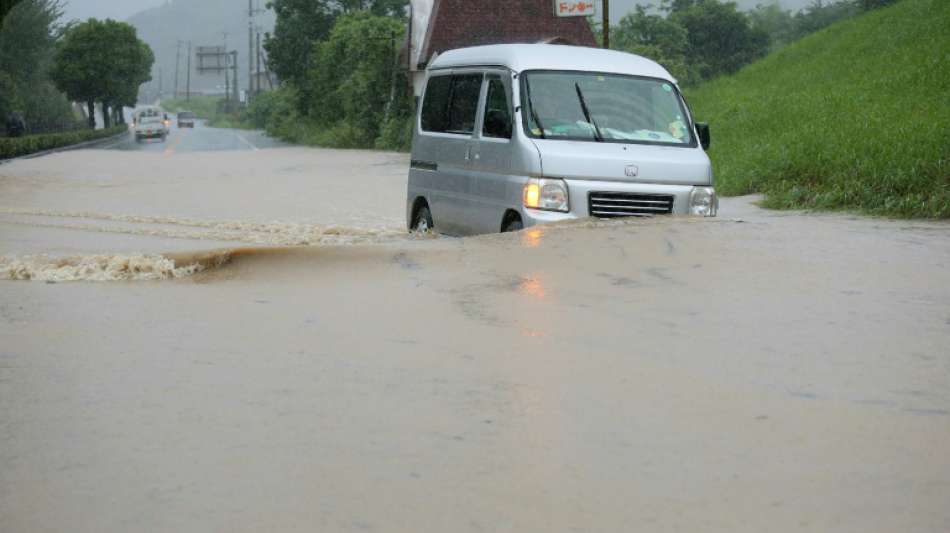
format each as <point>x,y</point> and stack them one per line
<point>95,268</point>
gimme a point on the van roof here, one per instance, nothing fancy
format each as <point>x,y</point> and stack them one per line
<point>522,57</point>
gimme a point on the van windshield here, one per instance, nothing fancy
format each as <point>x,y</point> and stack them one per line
<point>587,106</point>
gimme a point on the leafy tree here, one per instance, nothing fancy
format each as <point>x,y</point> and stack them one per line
<point>301,23</point>
<point>101,61</point>
<point>27,40</point>
<point>818,15</point>
<point>720,38</point>
<point>394,8</point>
<point>659,38</point>
<point>383,8</point>
<point>868,5</point>
<point>6,6</point>
<point>352,76</point>
<point>774,21</point>
<point>653,30</point>
<point>132,62</point>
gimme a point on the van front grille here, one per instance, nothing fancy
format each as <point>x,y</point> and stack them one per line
<point>625,204</point>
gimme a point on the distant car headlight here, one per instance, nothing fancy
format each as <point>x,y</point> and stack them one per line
<point>703,202</point>
<point>549,194</point>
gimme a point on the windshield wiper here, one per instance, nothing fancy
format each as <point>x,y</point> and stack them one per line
<point>590,120</point>
<point>534,114</point>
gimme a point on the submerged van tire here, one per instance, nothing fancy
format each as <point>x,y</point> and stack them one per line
<point>513,224</point>
<point>422,222</point>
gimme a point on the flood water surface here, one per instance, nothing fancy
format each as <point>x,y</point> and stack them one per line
<point>275,354</point>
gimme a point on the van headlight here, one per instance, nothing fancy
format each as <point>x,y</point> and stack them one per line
<point>546,193</point>
<point>703,202</point>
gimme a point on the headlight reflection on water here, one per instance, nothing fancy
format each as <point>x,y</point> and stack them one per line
<point>532,286</point>
<point>531,238</point>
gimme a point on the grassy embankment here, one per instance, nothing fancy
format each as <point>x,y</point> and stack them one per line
<point>207,108</point>
<point>19,146</point>
<point>855,117</point>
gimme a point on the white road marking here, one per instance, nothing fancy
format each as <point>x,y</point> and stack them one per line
<point>245,141</point>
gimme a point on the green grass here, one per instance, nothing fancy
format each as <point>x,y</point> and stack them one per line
<point>853,117</point>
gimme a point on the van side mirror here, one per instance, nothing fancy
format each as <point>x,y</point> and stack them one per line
<point>702,131</point>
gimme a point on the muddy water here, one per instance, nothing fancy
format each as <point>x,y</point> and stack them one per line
<point>757,372</point>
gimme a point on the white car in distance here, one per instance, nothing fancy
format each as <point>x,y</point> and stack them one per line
<point>150,126</point>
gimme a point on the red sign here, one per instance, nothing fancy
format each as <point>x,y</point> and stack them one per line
<point>574,8</point>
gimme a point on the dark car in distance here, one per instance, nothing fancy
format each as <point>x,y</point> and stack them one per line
<point>186,119</point>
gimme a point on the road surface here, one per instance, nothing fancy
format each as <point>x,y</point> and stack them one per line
<point>267,350</point>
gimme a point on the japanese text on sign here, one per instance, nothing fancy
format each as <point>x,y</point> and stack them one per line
<point>574,8</point>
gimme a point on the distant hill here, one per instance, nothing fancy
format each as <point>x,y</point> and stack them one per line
<point>204,23</point>
<point>854,116</point>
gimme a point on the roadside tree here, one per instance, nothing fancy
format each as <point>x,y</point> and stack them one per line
<point>778,23</point>
<point>302,23</point>
<point>6,6</point>
<point>656,37</point>
<point>28,37</point>
<point>720,38</point>
<point>351,77</point>
<point>102,61</point>
<point>299,24</point>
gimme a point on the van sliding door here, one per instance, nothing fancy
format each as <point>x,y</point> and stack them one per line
<point>449,112</point>
<point>490,178</point>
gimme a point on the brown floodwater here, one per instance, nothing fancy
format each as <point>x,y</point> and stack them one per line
<point>266,350</point>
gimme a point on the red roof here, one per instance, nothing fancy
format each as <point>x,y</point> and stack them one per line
<point>460,23</point>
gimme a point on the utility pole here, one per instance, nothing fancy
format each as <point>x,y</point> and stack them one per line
<point>161,74</point>
<point>251,13</point>
<point>177,65</point>
<point>250,49</point>
<point>188,75</point>
<point>227,84</point>
<point>257,73</point>
<point>606,24</point>
<point>263,59</point>
<point>227,78</point>
<point>237,97</point>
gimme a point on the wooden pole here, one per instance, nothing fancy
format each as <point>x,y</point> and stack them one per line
<point>605,29</point>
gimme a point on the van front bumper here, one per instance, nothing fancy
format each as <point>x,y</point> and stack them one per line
<point>583,194</point>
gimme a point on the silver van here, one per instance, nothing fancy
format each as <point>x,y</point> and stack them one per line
<point>508,136</point>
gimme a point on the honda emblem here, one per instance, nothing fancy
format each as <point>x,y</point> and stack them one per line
<point>631,171</point>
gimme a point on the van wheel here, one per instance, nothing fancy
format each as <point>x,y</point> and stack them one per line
<point>422,223</point>
<point>513,224</point>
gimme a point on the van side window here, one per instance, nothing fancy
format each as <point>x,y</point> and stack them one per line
<point>435,102</point>
<point>497,111</point>
<point>450,103</point>
<point>464,103</point>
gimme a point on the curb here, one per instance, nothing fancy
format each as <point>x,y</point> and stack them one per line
<point>77,146</point>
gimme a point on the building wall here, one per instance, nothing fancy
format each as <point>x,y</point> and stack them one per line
<point>460,23</point>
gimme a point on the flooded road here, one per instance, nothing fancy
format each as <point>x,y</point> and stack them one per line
<point>320,371</point>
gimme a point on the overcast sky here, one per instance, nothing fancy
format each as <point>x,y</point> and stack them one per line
<point>123,9</point>
<point>101,9</point>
